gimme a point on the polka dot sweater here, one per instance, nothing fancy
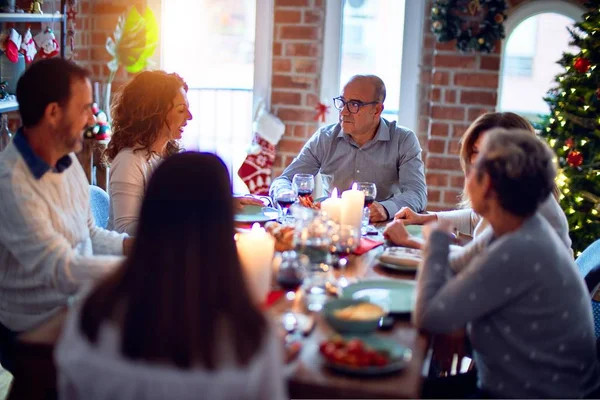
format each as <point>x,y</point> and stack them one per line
<point>526,309</point>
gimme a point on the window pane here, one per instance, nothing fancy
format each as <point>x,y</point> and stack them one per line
<point>372,36</point>
<point>210,43</point>
<point>529,68</point>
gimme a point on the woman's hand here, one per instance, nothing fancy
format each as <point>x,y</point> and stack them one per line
<point>409,217</point>
<point>396,233</point>
<point>443,226</point>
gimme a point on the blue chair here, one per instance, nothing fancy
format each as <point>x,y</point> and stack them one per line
<point>100,204</point>
<point>589,267</point>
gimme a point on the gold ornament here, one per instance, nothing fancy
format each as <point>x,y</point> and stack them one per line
<point>435,10</point>
<point>481,41</point>
<point>474,7</point>
<point>36,7</point>
<point>498,18</point>
<point>437,25</point>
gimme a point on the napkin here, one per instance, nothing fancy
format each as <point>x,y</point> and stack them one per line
<point>401,256</point>
<point>272,297</point>
<point>366,245</point>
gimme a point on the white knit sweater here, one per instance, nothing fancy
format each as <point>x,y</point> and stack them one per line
<point>49,244</point>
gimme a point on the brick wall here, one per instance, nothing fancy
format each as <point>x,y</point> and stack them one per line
<point>296,84</point>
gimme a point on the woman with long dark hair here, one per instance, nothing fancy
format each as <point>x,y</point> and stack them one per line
<point>176,320</point>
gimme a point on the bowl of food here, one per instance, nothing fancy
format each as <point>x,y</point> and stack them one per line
<point>353,315</point>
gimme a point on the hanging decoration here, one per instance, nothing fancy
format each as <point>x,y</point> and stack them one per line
<point>101,128</point>
<point>28,46</point>
<point>71,20</point>
<point>10,43</point>
<point>454,19</point>
<point>322,110</point>
<point>582,65</point>
<point>46,42</point>
<point>575,158</point>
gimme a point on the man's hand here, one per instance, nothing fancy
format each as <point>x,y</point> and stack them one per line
<point>409,217</point>
<point>378,212</point>
<point>128,245</point>
<point>240,202</point>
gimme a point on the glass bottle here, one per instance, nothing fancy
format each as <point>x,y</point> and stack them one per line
<point>5,134</point>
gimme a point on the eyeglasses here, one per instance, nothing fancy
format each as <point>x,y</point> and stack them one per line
<point>353,106</point>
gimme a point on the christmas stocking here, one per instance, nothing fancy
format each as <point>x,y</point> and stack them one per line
<point>47,43</point>
<point>256,169</point>
<point>11,44</point>
<point>28,47</point>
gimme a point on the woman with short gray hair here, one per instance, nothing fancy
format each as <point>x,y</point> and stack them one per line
<point>526,307</point>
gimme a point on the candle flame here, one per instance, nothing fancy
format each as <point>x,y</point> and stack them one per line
<point>355,186</point>
<point>334,193</point>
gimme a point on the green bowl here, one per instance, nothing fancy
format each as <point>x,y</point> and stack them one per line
<point>344,325</point>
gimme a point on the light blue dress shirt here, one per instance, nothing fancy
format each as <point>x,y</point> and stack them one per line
<point>391,160</point>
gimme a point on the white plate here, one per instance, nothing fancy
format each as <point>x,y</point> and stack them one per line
<point>256,214</point>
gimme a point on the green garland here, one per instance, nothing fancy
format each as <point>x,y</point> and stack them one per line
<point>447,25</point>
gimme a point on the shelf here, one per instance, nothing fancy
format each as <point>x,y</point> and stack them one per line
<point>26,17</point>
<point>8,105</point>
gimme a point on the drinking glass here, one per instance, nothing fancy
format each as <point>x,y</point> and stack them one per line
<point>304,184</point>
<point>285,198</point>
<point>290,277</point>
<point>344,240</point>
<point>370,191</point>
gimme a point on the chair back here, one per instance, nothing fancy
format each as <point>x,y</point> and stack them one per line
<point>589,267</point>
<point>100,204</point>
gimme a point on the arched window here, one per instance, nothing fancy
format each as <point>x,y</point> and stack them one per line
<point>536,38</point>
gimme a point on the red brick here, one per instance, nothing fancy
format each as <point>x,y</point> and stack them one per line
<point>476,112</point>
<point>105,23</point>
<point>318,3</point>
<point>450,96</point>
<point>291,3</point>
<point>491,63</point>
<point>294,114</point>
<point>439,129</point>
<point>287,17</point>
<point>433,196</point>
<point>436,94</point>
<point>285,81</point>
<point>456,61</point>
<point>457,181</point>
<point>312,17</point>
<point>110,8</point>
<point>282,65</point>
<point>302,49</point>
<point>476,80</point>
<point>437,179</point>
<point>300,131</point>
<point>454,146</point>
<point>451,196</point>
<point>443,112</point>
<point>443,163</point>
<point>277,49</point>
<point>478,97</point>
<point>436,146</point>
<point>100,54</point>
<point>306,66</point>
<point>312,100</point>
<point>299,32</point>
<point>425,78</point>
<point>428,42</point>
<point>441,78</point>
<point>459,129</point>
<point>446,46</point>
<point>286,145</point>
<point>286,98</point>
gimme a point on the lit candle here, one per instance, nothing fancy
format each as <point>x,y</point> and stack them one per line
<point>353,202</point>
<point>255,251</point>
<point>333,206</point>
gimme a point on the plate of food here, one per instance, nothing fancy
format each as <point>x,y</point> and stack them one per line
<point>364,355</point>
<point>394,296</point>
<point>353,316</point>
<point>401,258</point>
<point>251,213</point>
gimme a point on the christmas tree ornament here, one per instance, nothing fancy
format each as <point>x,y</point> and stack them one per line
<point>569,142</point>
<point>28,47</point>
<point>46,42</point>
<point>71,17</point>
<point>575,158</point>
<point>322,110</point>
<point>581,65</point>
<point>36,7</point>
<point>101,128</point>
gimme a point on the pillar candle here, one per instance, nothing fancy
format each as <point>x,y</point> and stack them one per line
<point>333,206</point>
<point>353,202</point>
<point>255,251</point>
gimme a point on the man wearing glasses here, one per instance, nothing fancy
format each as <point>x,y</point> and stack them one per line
<point>363,147</point>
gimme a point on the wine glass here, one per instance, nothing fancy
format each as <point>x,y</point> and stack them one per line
<point>304,184</point>
<point>285,198</point>
<point>344,240</point>
<point>370,191</point>
<point>290,277</point>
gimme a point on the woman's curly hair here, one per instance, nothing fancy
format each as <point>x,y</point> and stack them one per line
<point>139,111</point>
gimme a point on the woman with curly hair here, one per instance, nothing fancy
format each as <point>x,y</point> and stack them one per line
<point>149,114</point>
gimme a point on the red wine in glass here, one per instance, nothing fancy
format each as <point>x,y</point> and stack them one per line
<point>369,200</point>
<point>286,202</point>
<point>304,193</point>
<point>289,279</point>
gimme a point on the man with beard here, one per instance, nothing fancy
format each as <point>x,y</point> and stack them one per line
<point>49,244</point>
<point>363,147</point>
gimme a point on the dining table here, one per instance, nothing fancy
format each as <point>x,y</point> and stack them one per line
<point>307,374</point>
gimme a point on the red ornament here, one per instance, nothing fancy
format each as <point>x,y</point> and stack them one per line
<point>322,110</point>
<point>574,158</point>
<point>582,65</point>
<point>569,142</point>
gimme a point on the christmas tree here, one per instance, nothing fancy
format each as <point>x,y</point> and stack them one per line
<point>573,130</point>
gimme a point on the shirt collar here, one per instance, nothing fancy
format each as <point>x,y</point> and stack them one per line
<point>382,134</point>
<point>37,166</point>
